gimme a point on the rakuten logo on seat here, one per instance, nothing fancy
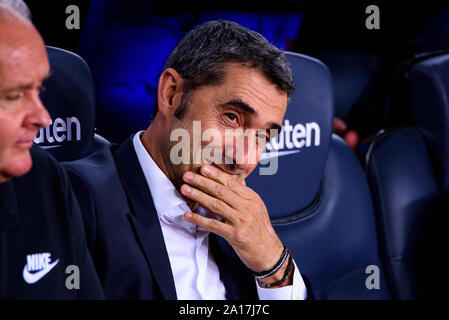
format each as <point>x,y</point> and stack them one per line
<point>59,130</point>
<point>290,140</point>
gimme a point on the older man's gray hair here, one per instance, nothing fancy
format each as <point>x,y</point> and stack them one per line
<point>17,8</point>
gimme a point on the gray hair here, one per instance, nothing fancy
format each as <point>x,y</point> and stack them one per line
<point>201,56</point>
<point>17,8</point>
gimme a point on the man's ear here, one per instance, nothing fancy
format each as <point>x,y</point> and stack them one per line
<point>169,93</point>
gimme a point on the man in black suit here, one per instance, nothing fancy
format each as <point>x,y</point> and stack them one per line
<point>179,222</point>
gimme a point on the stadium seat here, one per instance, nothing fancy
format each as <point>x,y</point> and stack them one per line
<point>429,90</point>
<point>69,98</point>
<point>408,171</point>
<point>318,199</point>
<point>406,197</point>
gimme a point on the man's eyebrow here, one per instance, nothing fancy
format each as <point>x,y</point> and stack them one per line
<point>246,107</point>
<point>241,105</point>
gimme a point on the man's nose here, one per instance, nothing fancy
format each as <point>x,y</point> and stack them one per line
<point>245,166</point>
<point>244,155</point>
<point>38,115</point>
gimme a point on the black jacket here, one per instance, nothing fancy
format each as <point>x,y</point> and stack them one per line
<point>41,234</point>
<point>124,234</point>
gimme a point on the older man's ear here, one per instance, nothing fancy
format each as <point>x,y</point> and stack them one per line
<point>170,92</point>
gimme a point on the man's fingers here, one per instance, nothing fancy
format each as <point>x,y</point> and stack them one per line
<point>209,224</point>
<point>215,189</point>
<point>215,205</point>
<point>226,179</point>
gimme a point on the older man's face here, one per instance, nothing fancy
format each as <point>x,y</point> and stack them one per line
<point>23,67</point>
<point>245,100</point>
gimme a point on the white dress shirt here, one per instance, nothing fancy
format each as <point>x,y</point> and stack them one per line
<point>196,275</point>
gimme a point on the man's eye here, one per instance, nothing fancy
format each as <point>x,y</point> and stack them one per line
<point>42,88</point>
<point>231,116</point>
<point>14,96</point>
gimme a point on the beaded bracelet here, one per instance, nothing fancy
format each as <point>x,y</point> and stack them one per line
<point>284,278</point>
<point>275,268</point>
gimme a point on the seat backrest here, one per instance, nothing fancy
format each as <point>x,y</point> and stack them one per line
<point>429,98</point>
<point>406,198</point>
<point>69,98</point>
<point>318,198</point>
<point>408,171</point>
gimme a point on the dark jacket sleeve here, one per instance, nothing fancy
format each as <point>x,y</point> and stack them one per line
<point>310,295</point>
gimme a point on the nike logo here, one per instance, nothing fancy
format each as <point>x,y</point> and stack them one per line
<point>276,154</point>
<point>38,265</point>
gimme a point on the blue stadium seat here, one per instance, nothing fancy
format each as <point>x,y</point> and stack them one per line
<point>318,199</point>
<point>408,171</point>
<point>406,197</point>
<point>70,100</point>
<point>429,92</point>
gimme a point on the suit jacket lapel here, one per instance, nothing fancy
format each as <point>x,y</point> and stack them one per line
<point>237,278</point>
<point>144,219</point>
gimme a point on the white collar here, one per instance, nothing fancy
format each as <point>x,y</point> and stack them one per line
<point>170,205</point>
<point>165,196</point>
